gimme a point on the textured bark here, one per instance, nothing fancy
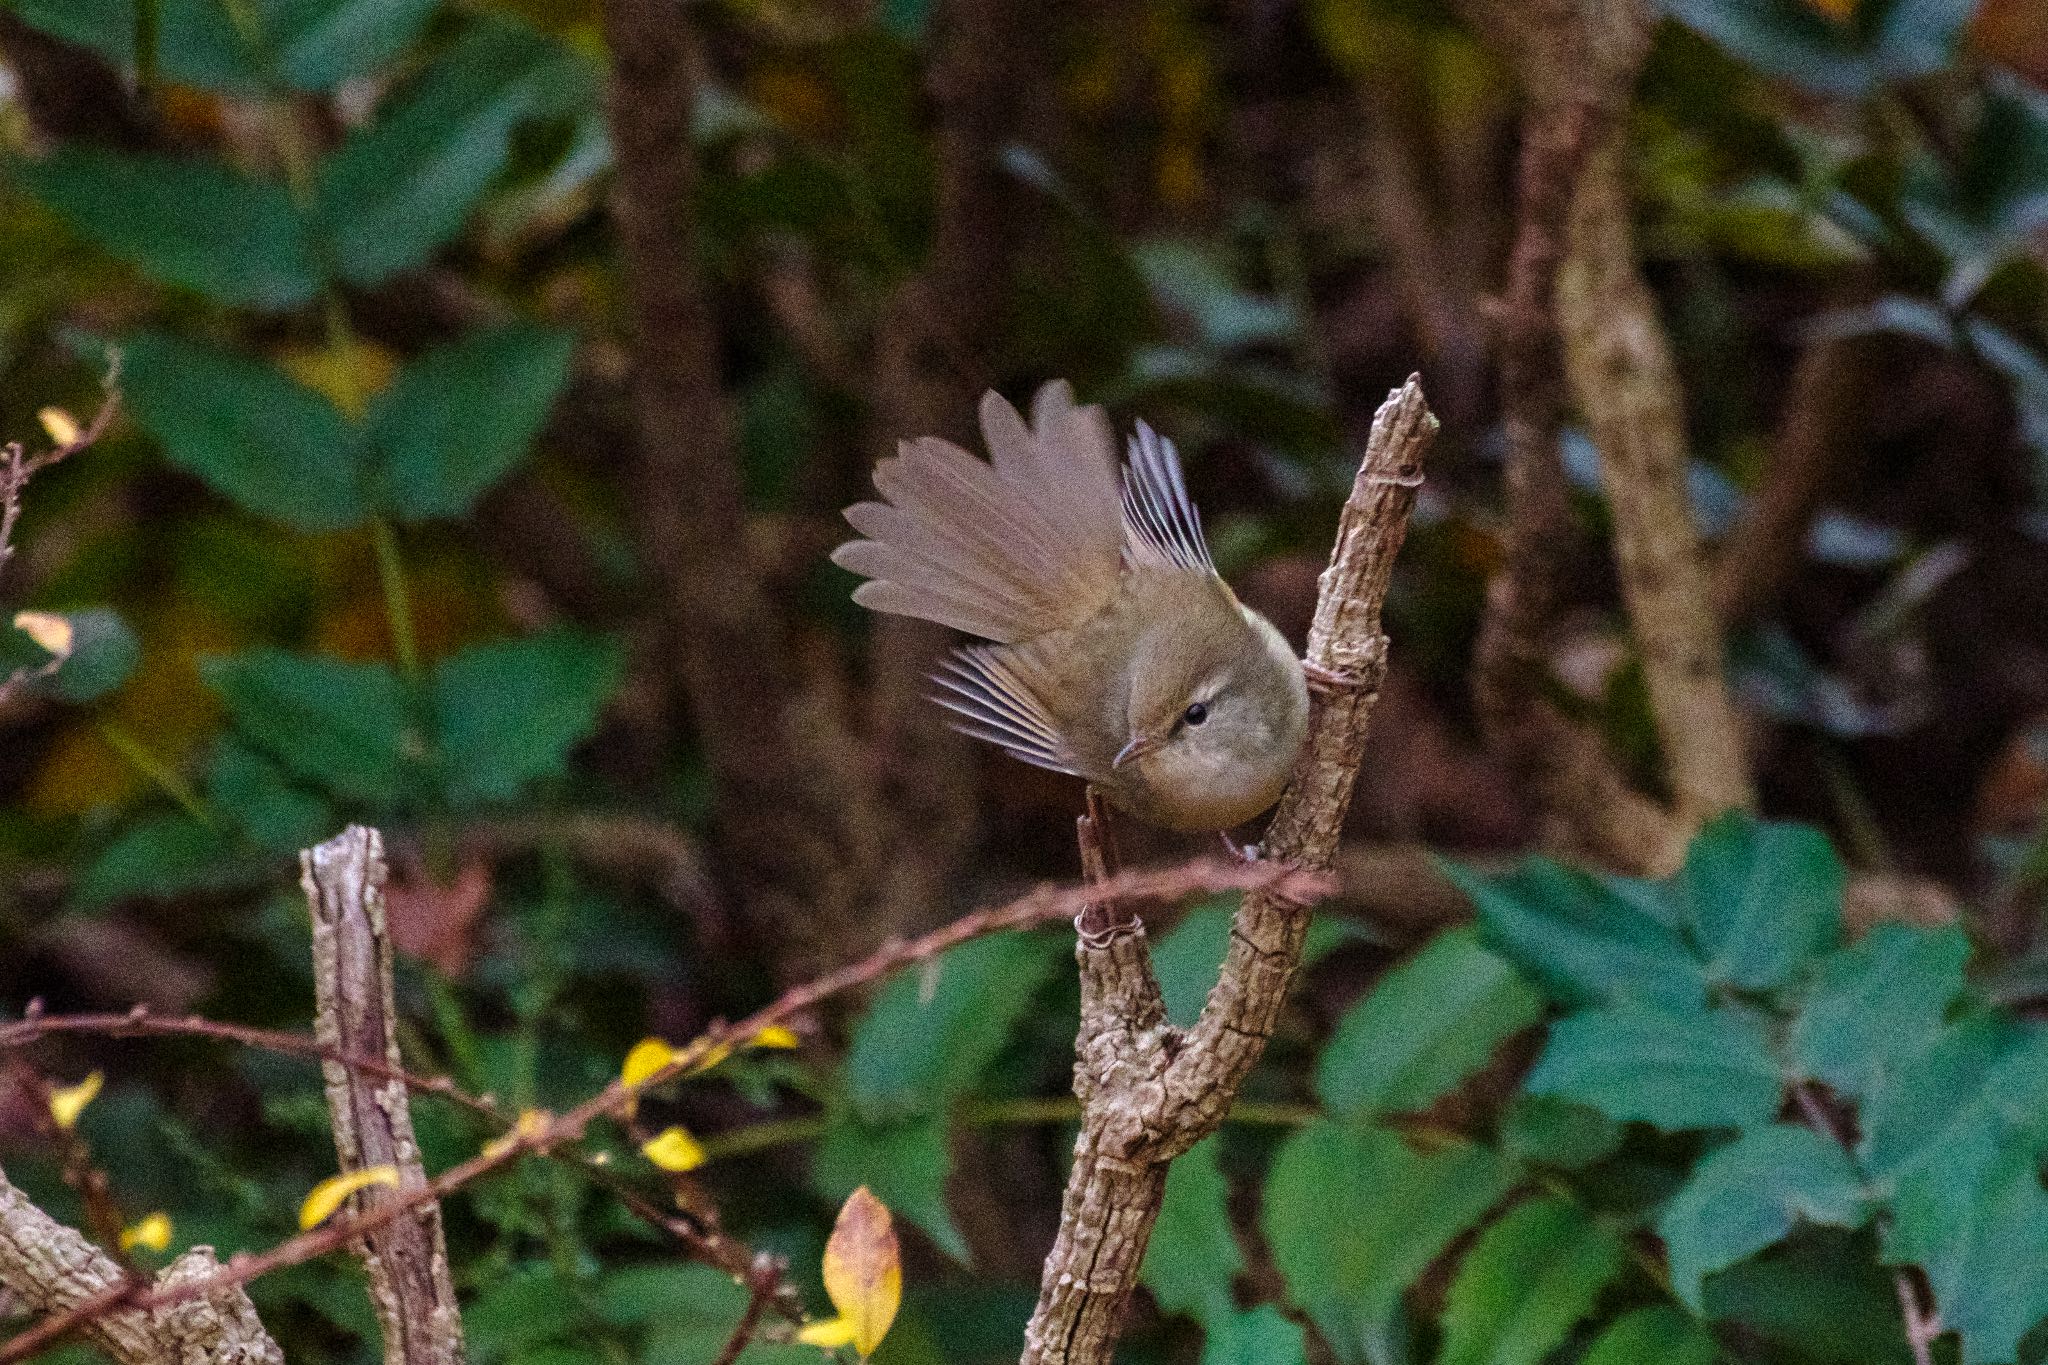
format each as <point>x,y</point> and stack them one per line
<point>1619,361</point>
<point>788,774</point>
<point>53,1268</point>
<point>1149,1091</point>
<point>407,1259</point>
<point>930,367</point>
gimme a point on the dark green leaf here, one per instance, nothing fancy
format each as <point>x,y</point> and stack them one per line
<point>1354,1216</point>
<point>934,1029</point>
<point>1654,1336</point>
<point>1747,1195</point>
<point>198,44</point>
<point>259,796</point>
<point>339,725</point>
<point>1783,38</point>
<point>323,43</point>
<point>168,217</point>
<point>1878,1002</point>
<point>158,857</point>
<point>1260,1337</point>
<point>1426,1026</point>
<point>1675,1071</point>
<point>1526,1280</point>
<point>1976,1221</point>
<point>1820,1296</point>
<point>1193,1255</point>
<point>1557,1132</point>
<point>532,1304</point>
<point>461,417</point>
<point>1764,898</point>
<point>905,1164</point>
<point>507,713</point>
<point>1586,944</point>
<point>401,186</point>
<point>256,436</point>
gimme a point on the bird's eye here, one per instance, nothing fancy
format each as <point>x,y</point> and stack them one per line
<point>1195,714</point>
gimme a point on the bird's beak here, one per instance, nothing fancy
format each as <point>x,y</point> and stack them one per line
<point>1139,746</point>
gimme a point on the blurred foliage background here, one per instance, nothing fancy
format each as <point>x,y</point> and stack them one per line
<point>370,541</point>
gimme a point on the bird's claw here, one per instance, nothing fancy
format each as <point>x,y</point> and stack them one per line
<point>1244,853</point>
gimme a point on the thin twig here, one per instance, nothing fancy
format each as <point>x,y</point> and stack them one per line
<point>1045,905</point>
<point>762,1278</point>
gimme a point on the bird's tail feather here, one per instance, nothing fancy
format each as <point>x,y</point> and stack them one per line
<point>1006,549</point>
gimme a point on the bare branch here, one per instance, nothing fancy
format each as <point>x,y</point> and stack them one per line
<point>407,1260</point>
<point>58,1271</point>
<point>1042,906</point>
<point>1149,1092</point>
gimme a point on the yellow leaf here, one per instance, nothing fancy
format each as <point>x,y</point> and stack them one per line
<point>528,1125</point>
<point>702,1055</point>
<point>349,375</point>
<point>61,425</point>
<point>647,1057</point>
<point>49,630</point>
<point>331,1193</point>
<point>68,1102</point>
<point>775,1035</point>
<point>673,1150</point>
<point>864,1269</point>
<point>152,1231</point>
<point>830,1333</point>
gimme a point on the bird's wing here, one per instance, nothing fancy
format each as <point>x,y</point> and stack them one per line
<point>1161,526</point>
<point>990,701</point>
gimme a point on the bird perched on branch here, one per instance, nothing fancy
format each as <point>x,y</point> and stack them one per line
<point>1116,652</point>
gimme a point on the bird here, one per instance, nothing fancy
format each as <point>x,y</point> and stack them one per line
<point>1109,647</point>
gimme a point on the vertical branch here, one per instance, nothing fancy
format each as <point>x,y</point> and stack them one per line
<point>1571,778</point>
<point>1149,1091</point>
<point>407,1259</point>
<point>54,1269</point>
<point>929,368</point>
<point>787,773</point>
<point>1619,360</point>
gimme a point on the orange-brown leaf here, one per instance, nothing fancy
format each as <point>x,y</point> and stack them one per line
<point>864,1269</point>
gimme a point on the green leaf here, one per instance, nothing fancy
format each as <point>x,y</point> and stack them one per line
<point>1984,1069</point>
<point>1427,1025</point>
<point>905,1164</point>
<point>1977,1222</point>
<point>1764,898</point>
<point>462,416</point>
<point>339,725</point>
<point>166,215</point>
<point>1675,1071</point>
<point>104,652</point>
<point>158,857</point>
<point>275,812</point>
<point>324,43</point>
<point>1187,959</point>
<point>933,1030</point>
<point>1783,38</point>
<point>1555,1132</point>
<point>1354,1216</point>
<point>1586,944</point>
<point>252,433</point>
<point>1820,1296</point>
<point>198,45</point>
<point>1260,1337</point>
<point>1659,1335</point>
<point>507,713</point>
<point>1193,1255</point>
<point>398,188</point>
<point>530,1305</point>
<point>1747,1195</point>
<point>1877,1002</point>
<point>1526,1280</point>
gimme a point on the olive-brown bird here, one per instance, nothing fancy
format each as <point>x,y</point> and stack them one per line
<point>1117,654</point>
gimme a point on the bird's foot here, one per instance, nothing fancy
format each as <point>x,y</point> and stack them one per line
<point>1244,853</point>
<point>1327,681</point>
